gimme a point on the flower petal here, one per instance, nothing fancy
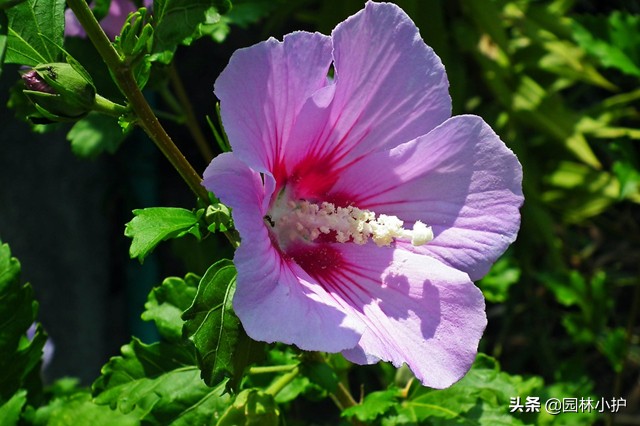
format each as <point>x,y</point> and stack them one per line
<point>248,196</point>
<point>275,299</point>
<point>262,90</point>
<point>390,87</point>
<point>417,310</point>
<point>460,179</point>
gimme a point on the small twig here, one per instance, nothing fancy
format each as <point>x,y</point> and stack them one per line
<point>125,80</point>
<point>190,117</point>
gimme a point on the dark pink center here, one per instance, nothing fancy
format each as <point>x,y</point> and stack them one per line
<point>318,259</point>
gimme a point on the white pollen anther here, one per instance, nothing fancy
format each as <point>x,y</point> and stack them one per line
<point>308,221</point>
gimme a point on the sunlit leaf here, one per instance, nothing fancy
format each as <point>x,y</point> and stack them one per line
<point>252,407</point>
<point>211,324</point>
<point>80,409</point>
<point>10,410</point>
<point>613,40</point>
<point>35,32</point>
<point>152,225</point>
<point>159,383</point>
<point>177,22</point>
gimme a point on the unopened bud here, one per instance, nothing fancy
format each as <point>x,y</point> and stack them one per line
<point>34,82</point>
<point>60,91</point>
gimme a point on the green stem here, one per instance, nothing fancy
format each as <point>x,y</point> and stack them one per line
<point>631,322</point>
<point>282,381</point>
<point>173,104</point>
<point>126,82</point>
<point>190,117</point>
<point>341,397</point>
<point>105,106</point>
<point>272,369</point>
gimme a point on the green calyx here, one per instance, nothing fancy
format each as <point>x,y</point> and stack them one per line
<point>60,91</point>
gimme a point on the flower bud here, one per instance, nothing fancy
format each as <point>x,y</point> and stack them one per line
<point>60,91</point>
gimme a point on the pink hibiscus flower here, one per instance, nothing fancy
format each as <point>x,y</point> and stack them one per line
<point>365,210</point>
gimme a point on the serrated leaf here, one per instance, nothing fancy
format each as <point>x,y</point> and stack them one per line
<point>160,384</point>
<point>19,356</point>
<point>211,324</point>
<point>482,397</point>
<point>36,30</point>
<point>10,411</point>
<point>251,407</point>
<point>166,304</point>
<point>79,409</point>
<point>152,225</point>
<point>94,134</point>
<point>177,22</point>
<point>374,405</point>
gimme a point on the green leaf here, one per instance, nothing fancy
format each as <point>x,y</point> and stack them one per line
<point>19,356</point>
<point>160,384</point>
<point>374,405</point>
<point>80,409</point>
<point>613,344</point>
<point>613,40</point>
<point>482,397</point>
<point>251,407</point>
<point>10,411</point>
<point>246,352</point>
<point>503,274</point>
<point>629,178</point>
<point>36,30</point>
<point>178,21</point>
<point>579,191</point>
<point>211,324</point>
<point>243,13</point>
<point>100,8</point>
<point>95,134</point>
<point>4,26</point>
<point>321,374</point>
<point>293,389</point>
<point>155,224</point>
<point>167,302</point>
<point>6,4</point>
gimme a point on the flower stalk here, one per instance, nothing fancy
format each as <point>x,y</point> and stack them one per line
<point>189,115</point>
<point>272,369</point>
<point>126,82</point>
<point>282,381</point>
<point>105,106</point>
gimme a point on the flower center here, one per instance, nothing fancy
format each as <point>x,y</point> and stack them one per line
<point>303,220</point>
